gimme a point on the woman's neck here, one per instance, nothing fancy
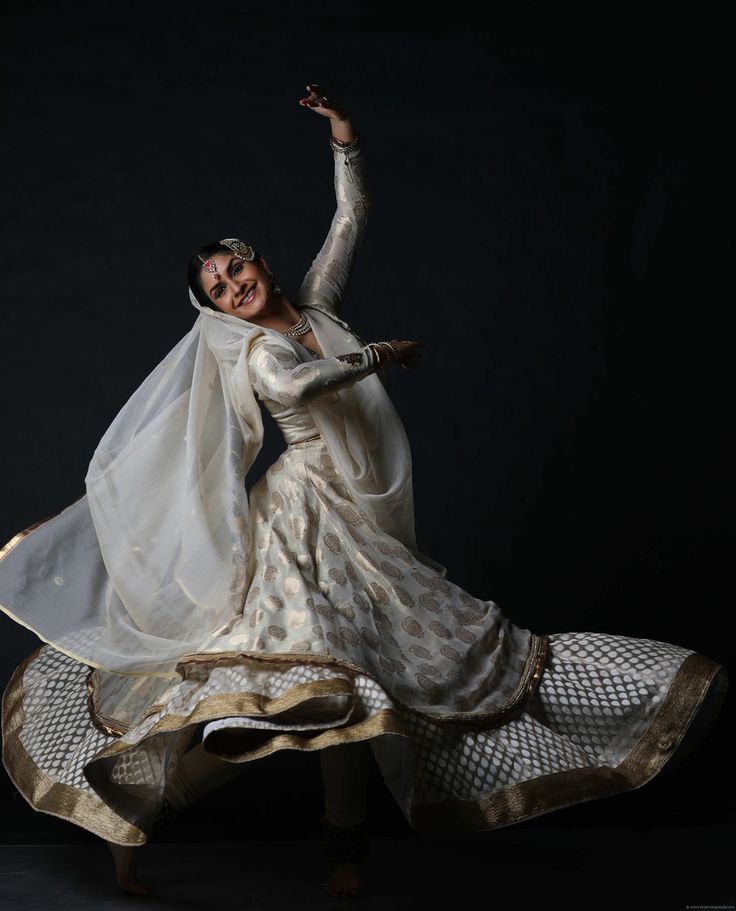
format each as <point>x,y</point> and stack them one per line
<point>283,316</point>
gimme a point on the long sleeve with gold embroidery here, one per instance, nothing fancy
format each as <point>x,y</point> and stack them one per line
<point>277,373</point>
<point>325,282</point>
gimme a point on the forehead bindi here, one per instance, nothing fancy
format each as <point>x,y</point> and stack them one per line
<point>224,265</point>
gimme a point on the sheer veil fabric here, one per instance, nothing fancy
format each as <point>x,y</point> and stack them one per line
<point>153,560</point>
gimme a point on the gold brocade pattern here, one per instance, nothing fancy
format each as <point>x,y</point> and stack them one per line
<point>530,766</point>
<point>344,636</point>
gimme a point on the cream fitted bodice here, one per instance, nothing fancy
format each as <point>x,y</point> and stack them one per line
<point>283,382</point>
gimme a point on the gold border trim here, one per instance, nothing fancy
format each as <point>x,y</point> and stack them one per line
<point>547,793</point>
<point>17,538</point>
<point>46,796</point>
<point>5,550</point>
<point>111,727</point>
<point>503,807</point>
<point>527,685</point>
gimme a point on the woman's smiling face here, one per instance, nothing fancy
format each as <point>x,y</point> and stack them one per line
<point>238,287</point>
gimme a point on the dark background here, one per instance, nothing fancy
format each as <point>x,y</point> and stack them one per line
<point>549,195</point>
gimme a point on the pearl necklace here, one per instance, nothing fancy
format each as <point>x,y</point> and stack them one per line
<point>300,328</point>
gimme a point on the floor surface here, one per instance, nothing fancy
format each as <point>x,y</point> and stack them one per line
<point>656,868</point>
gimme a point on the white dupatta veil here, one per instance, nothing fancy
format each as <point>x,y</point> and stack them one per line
<point>153,560</point>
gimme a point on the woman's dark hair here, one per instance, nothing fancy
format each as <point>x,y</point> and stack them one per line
<point>194,271</point>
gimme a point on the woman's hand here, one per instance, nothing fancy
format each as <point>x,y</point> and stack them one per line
<point>408,352</point>
<point>324,103</point>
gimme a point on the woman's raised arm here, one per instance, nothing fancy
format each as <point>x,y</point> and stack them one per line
<point>325,282</point>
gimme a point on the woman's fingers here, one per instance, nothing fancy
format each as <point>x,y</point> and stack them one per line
<point>319,98</point>
<point>409,351</point>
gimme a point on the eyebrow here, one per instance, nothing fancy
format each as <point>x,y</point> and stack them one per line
<point>228,269</point>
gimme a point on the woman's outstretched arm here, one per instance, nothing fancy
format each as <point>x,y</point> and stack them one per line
<point>277,373</point>
<point>327,278</point>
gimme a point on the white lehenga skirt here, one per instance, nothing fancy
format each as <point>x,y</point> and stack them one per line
<point>587,715</point>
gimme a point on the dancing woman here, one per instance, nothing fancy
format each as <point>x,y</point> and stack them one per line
<point>175,605</point>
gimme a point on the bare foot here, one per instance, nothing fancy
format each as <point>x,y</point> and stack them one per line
<point>344,879</point>
<point>126,861</point>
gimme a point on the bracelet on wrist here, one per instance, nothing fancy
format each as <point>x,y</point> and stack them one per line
<point>386,354</point>
<point>339,145</point>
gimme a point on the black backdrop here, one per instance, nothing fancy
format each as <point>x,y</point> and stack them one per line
<point>547,188</point>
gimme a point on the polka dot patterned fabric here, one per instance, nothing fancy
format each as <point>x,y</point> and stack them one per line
<point>326,581</point>
<point>597,696</point>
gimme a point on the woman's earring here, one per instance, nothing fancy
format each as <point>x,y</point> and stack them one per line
<point>274,287</point>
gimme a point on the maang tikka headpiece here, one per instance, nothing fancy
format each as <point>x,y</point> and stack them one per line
<point>238,247</point>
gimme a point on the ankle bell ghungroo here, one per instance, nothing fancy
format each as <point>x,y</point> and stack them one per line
<point>345,844</point>
<point>164,816</point>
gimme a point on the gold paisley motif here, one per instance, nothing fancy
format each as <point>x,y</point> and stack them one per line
<point>428,685</point>
<point>338,576</point>
<point>349,635</point>
<point>291,489</point>
<point>390,570</point>
<point>287,556</point>
<point>317,481</point>
<point>370,638</point>
<point>334,639</point>
<point>464,635</point>
<point>328,466</point>
<point>325,610</point>
<point>273,603</point>
<point>349,514</point>
<point>425,581</point>
<point>403,595</point>
<point>276,632</point>
<point>378,592</point>
<point>420,651</point>
<point>463,617</point>
<point>428,603</point>
<point>449,652</point>
<point>311,585</point>
<point>439,629</point>
<point>256,617</point>
<point>410,625</point>
<point>332,542</point>
<point>346,609</point>
<point>390,550</point>
<point>381,619</point>
<point>292,585</point>
<point>296,619</point>
<point>304,374</point>
<point>304,562</point>
<point>312,513</point>
<point>362,602</point>
<point>269,572</point>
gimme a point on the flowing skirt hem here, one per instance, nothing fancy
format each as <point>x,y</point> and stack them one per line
<point>343,708</point>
